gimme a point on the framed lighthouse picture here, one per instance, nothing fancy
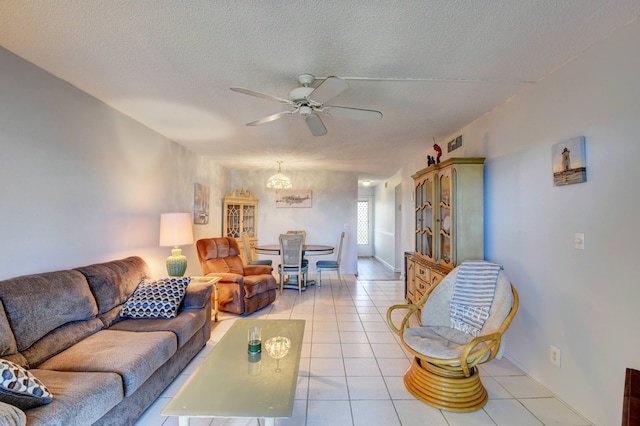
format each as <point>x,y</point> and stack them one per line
<point>569,162</point>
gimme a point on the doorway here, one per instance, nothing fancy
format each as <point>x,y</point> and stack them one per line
<point>365,226</point>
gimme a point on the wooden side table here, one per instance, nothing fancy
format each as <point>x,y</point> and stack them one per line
<point>214,281</point>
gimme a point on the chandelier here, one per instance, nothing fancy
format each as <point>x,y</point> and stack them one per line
<point>279,181</point>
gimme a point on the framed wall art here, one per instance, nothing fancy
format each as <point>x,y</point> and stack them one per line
<point>293,198</point>
<point>569,162</point>
<point>200,204</point>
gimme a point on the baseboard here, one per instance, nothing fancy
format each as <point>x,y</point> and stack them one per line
<point>385,264</point>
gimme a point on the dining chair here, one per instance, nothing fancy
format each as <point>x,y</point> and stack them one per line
<point>291,259</point>
<point>305,262</point>
<point>248,253</point>
<point>330,265</point>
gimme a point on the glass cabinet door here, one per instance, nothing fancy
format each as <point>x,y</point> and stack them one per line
<point>233,221</point>
<point>425,216</point>
<point>418,217</point>
<point>248,220</point>
<point>428,217</point>
<point>445,218</point>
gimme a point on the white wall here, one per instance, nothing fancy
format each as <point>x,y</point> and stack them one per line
<point>82,183</point>
<point>583,302</point>
<point>384,223</point>
<point>334,197</point>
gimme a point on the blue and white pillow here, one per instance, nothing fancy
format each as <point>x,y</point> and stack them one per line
<point>156,298</point>
<point>20,388</point>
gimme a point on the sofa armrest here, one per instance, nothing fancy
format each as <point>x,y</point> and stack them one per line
<point>197,295</point>
<point>257,269</point>
<point>12,416</point>
<point>227,277</point>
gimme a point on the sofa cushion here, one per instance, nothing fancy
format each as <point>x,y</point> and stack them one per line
<point>80,398</point>
<point>11,415</point>
<point>60,339</point>
<point>112,282</point>
<point>184,326</point>
<point>135,356</point>
<point>7,341</point>
<point>20,388</point>
<point>159,298</point>
<point>37,304</point>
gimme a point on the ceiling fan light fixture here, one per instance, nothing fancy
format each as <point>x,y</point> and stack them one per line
<point>305,110</point>
<point>279,180</point>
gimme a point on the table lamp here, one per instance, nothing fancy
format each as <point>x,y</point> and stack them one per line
<point>176,230</point>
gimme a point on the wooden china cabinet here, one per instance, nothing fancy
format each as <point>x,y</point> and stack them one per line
<point>241,215</point>
<point>449,222</point>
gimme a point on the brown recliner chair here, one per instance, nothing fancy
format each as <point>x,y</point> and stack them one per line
<point>243,288</point>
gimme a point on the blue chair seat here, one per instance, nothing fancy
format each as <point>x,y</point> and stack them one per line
<point>330,265</point>
<point>291,268</point>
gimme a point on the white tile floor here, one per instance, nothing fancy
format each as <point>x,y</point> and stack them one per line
<point>352,367</point>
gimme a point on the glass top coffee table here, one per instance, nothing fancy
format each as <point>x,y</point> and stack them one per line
<point>230,382</point>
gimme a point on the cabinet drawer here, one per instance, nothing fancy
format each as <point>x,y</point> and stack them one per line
<point>422,286</point>
<point>422,272</point>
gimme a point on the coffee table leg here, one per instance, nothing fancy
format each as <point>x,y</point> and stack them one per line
<point>183,421</point>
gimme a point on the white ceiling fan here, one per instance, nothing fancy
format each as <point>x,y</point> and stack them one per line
<point>308,102</point>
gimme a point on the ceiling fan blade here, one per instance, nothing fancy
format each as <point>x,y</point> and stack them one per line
<point>328,89</point>
<point>259,95</point>
<point>353,113</point>
<point>269,118</point>
<point>315,125</point>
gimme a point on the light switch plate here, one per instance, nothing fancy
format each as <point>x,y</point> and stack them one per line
<point>578,241</point>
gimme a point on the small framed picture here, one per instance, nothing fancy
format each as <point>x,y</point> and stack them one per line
<point>569,162</point>
<point>200,204</point>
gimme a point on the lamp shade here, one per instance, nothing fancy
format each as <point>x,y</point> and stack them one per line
<point>175,229</point>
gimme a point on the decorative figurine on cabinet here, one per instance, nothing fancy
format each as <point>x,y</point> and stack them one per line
<point>430,160</point>
<point>438,150</point>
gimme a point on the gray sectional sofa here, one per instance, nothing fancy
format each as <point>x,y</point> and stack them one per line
<point>65,328</point>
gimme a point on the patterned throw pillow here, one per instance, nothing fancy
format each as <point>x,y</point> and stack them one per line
<point>156,298</point>
<point>20,388</point>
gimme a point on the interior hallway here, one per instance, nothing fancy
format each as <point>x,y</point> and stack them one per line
<point>370,268</point>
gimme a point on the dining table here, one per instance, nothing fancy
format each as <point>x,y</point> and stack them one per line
<point>307,250</point>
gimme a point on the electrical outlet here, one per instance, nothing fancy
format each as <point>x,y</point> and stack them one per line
<point>554,356</point>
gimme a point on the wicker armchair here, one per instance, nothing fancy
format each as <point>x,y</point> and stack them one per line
<point>444,372</point>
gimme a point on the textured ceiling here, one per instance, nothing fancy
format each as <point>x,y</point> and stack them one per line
<point>430,67</point>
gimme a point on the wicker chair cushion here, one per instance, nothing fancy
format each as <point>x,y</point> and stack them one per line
<point>436,338</point>
<point>437,342</point>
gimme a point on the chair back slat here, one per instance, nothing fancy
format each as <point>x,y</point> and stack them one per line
<point>291,250</point>
<point>340,248</point>
<point>303,233</point>
<point>248,256</point>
